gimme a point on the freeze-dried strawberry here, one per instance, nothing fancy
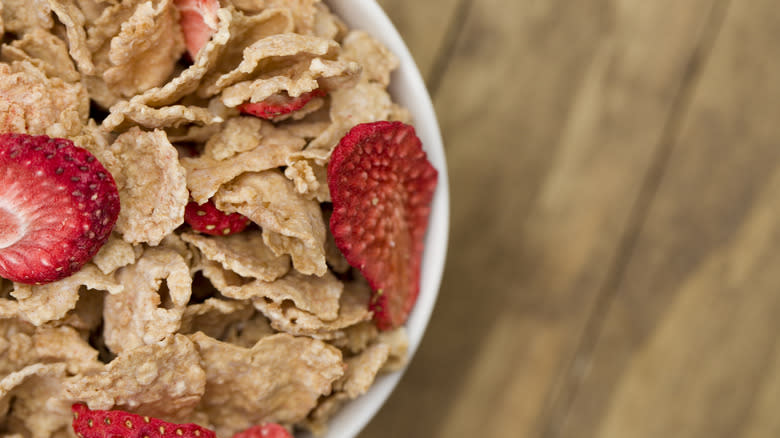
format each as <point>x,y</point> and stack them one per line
<point>266,430</point>
<point>119,424</point>
<point>58,205</point>
<point>198,20</point>
<point>207,219</point>
<point>382,185</point>
<point>279,104</point>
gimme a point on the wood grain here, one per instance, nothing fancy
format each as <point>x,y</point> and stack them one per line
<point>690,347</point>
<point>425,27</point>
<point>554,115</point>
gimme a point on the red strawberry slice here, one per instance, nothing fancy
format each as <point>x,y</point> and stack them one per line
<point>382,185</point>
<point>198,20</point>
<point>58,205</point>
<point>119,424</point>
<point>279,104</point>
<point>266,430</point>
<point>208,220</point>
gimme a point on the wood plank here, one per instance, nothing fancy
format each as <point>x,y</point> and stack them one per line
<point>425,27</point>
<point>552,114</point>
<point>689,346</point>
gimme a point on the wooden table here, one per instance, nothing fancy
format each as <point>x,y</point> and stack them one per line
<point>614,268</point>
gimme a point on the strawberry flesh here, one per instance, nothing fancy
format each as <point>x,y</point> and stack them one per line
<point>382,184</point>
<point>266,430</point>
<point>119,424</point>
<point>198,20</point>
<point>58,205</point>
<point>207,219</point>
<point>279,104</point>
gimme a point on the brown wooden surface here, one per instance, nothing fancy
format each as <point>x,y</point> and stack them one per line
<point>614,268</point>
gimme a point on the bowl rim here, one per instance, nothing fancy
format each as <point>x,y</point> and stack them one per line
<point>408,89</point>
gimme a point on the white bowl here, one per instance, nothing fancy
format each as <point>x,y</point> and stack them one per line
<point>407,88</point>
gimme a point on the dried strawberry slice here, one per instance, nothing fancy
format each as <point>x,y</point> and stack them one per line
<point>266,430</point>
<point>382,184</point>
<point>198,20</point>
<point>279,104</point>
<point>58,205</point>
<point>207,219</point>
<point>119,424</point>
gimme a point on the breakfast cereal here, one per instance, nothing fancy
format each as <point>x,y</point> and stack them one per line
<point>31,102</point>
<point>291,223</point>
<point>245,386</point>
<point>115,254</point>
<point>69,14</point>
<point>157,288</point>
<point>21,16</point>
<point>245,30</point>
<point>160,379</point>
<point>39,400</point>
<point>247,256</point>
<point>214,317</point>
<point>353,308</point>
<point>126,114</point>
<point>206,173</point>
<point>64,343</point>
<point>40,304</point>
<point>238,104</point>
<point>144,52</point>
<point>45,51</point>
<point>152,186</point>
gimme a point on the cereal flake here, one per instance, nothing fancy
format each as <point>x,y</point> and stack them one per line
<point>310,178</point>
<point>327,24</point>
<point>32,103</point>
<point>214,316</point>
<point>148,310</point>
<point>362,370</point>
<point>318,296</point>
<point>16,350</point>
<point>39,304</point>
<point>286,317</point>
<point>71,16</point>
<point>279,379</point>
<point>244,31</point>
<point>298,79</point>
<point>291,223</point>
<point>366,102</point>
<point>64,344</point>
<point>152,186</point>
<point>125,114</point>
<point>22,16</point>
<point>377,61</point>
<point>398,341</point>
<point>188,80</point>
<point>356,338</point>
<point>278,53</point>
<point>45,51</point>
<point>247,333</point>
<point>206,174</point>
<point>245,254</point>
<point>40,405</point>
<point>359,376</point>
<point>163,379</point>
<point>115,254</point>
<point>145,51</point>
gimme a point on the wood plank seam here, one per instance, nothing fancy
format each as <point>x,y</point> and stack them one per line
<point>561,396</point>
<point>447,50</point>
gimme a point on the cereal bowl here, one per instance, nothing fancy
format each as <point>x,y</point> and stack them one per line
<point>407,88</point>
<point>169,243</point>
